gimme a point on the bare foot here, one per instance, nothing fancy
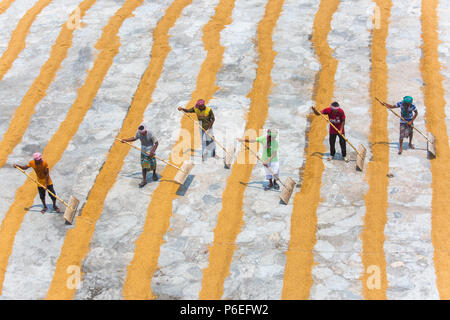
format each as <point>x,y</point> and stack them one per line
<point>411,146</point>
<point>400,152</point>
<point>143,183</point>
<point>56,209</point>
<point>44,210</point>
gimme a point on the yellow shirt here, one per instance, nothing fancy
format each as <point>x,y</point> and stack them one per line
<point>40,172</point>
<point>205,117</point>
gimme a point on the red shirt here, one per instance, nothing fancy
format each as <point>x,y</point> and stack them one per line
<point>336,118</point>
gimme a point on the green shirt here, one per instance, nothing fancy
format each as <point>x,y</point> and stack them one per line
<point>273,147</point>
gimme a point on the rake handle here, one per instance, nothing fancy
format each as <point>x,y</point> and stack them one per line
<point>208,134</point>
<point>257,157</point>
<point>384,104</point>
<point>160,159</point>
<point>40,185</point>
<point>337,130</point>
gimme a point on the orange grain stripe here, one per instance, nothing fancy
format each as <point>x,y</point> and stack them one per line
<point>230,218</point>
<point>5,4</point>
<point>440,167</point>
<point>376,199</point>
<point>142,268</point>
<point>298,281</point>
<point>38,89</point>
<point>76,243</point>
<point>108,46</point>
<point>17,42</point>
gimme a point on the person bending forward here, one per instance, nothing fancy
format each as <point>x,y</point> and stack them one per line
<point>43,177</point>
<point>270,160</point>
<point>409,113</point>
<point>206,118</point>
<point>337,118</point>
<point>149,144</point>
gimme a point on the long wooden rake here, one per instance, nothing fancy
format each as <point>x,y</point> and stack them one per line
<point>71,207</point>
<point>182,173</point>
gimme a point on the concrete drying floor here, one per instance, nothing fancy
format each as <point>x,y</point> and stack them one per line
<point>75,78</point>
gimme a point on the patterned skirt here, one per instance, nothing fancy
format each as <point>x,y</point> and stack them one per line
<point>405,130</point>
<point>147,162</point>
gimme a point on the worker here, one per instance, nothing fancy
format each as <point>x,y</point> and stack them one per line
<point>409,113</point>
<point>269,157</point>
<point>206,118</point>
<point>43,178</point>
<point>337,117</point>
<point>149,144</point>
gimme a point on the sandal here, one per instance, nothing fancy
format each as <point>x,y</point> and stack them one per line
<point>155,177</point>
<point>44,210</point>
<point>276,186</point>
<point>268,187</point>
<point>57,209</point>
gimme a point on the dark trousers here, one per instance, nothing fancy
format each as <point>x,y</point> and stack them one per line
<point>342,143</point>
<point>42,193</point>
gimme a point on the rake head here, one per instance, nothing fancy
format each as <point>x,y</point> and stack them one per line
<point>71,209</point>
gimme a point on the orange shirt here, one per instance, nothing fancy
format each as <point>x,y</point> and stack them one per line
<point>40,172</point>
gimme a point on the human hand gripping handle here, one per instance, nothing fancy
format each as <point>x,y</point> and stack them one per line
<point>315,111</point>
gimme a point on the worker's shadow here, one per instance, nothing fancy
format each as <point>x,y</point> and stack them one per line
<point>138,176</point>
<point>261,183</point>
<point>181,190</point>
<point>320,155</point>
<point>135,175</point>
<point>406,146</point>
<point>396,145</point>
<point>39,207</point>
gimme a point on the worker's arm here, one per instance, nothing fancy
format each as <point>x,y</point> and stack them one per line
<point>414,118</point>
<point>212,119</point>
<point>390,106</point>
<point>191,110</point>
<point>47,176</point>
<point>21,167</point>
<point>128,139</point>
<point>342,127</point>
<point>152,152</point>
<point>315,111</point>
<point>274,154</point>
